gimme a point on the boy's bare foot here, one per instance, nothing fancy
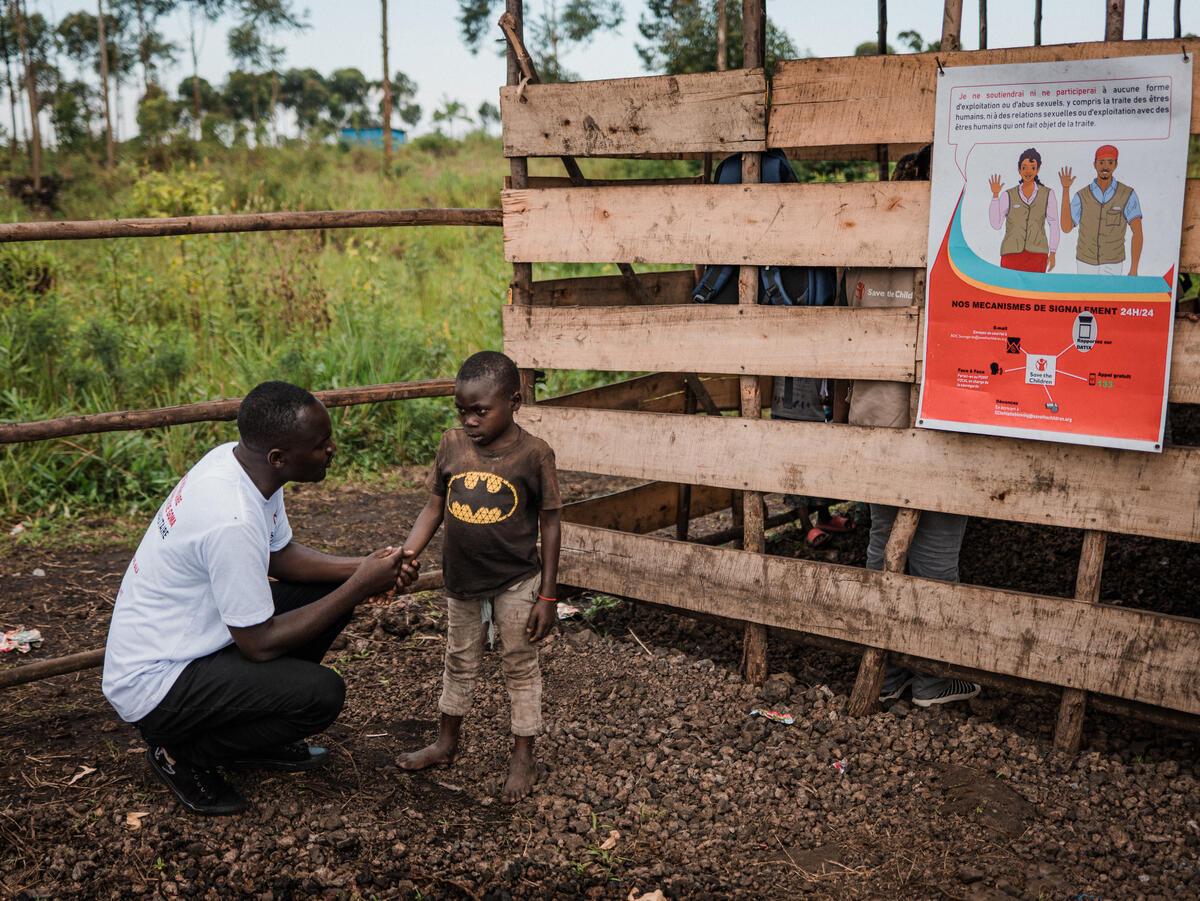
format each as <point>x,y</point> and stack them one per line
<point>431,755</point>
<point>444,750</point>
<point>522,771</point>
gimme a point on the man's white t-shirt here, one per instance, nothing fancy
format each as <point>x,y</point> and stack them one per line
<point>201,567</point>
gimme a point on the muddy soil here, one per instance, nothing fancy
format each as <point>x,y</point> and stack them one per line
<point>653,776</point>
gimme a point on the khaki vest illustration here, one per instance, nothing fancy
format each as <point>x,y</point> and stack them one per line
<point>1025,225</point>
<point>1102,227</point>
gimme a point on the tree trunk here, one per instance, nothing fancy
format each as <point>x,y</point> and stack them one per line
<point>983,24</point>
<point>387,98</point>
<point>722,37</point>
<point>1037,23</point>
<point>110,156</point>
<point>35,137</point>
<point>196,73</point>
<point>143,48</point>
<point>1178,21</point>
<point>12,95</point>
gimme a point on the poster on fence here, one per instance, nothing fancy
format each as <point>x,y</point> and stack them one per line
<point>1055,215</point>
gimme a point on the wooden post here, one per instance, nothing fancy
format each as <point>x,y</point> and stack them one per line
<point>983,24</point>
<point>864,699</point>
<point>521,289</point>
<point>952,25</point>
<point>683,501</point>
<point>754,644</point>
<point>1114,20</point>
<point>881,150</point>
<point>1037,23</point>
<point>1145,19</point>
<point>1068,731</point>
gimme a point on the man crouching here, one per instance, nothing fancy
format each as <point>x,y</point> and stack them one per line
<point>214,663</point>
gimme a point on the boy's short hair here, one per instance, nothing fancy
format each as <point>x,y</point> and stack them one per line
<point>270,412</point>
<point>493,366</point>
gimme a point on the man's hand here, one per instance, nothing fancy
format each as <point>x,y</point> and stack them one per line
<point>380,571</point>
<point>541,619</point>
<point>410,568</point>
<point>997,185</point>
<point>1065,177</point>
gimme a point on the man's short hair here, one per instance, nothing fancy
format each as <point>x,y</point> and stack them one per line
<point>270,412</point>
<point>493,366</point>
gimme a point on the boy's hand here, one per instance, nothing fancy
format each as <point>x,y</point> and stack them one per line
<point>378,572</point>
<point>410,568</point>
<point>541,619</point>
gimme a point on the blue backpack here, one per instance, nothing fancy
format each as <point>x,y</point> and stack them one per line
<point>787,286</point>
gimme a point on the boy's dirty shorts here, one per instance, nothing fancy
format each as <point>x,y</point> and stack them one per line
<point>465,639</point>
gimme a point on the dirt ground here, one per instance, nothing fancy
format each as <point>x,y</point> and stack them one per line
<point>653,774</point>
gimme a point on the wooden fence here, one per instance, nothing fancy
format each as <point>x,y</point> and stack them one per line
<point>843,108</point>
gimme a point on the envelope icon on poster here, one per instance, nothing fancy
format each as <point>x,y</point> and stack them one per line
<point>1014,345</point>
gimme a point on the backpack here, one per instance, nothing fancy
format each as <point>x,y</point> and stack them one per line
<point>777,285</point>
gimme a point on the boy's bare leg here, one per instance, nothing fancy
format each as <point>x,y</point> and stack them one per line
<point>522,769</point>
<point>443,750</point>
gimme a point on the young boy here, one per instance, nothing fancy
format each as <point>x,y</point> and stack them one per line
<point>498,484</point>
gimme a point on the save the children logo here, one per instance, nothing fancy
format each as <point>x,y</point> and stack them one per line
<point>480,498</point>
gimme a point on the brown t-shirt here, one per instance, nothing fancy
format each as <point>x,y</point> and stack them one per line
<point>493,499</point>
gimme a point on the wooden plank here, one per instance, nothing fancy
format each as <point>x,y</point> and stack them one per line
<point>866,100</point>
<point>881,224</point>
<point>563,181</point>
<point>673,287</point>
<point>1022,481</point>
<point>645,508</point>
<point>725,392</point>
<point>628,394</point>
<point>860,224</point>
<point>836,342</point>
<point>721,112</point>
<point>1132,654</point>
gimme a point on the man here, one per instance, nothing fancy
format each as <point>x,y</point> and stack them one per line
<point>1102,212</point>
<point>216,665</point>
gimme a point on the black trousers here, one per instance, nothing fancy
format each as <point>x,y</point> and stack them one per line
<point>224,705</point>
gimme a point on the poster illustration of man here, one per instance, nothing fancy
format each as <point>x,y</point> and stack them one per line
<point>1103,211</point>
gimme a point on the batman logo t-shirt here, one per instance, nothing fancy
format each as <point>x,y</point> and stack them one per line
<point>492,502</point>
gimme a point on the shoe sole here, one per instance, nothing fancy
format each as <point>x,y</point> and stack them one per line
<point>201,811</point>
<point>279,766</point>
<point>895,695</point>
<point>929,702</point>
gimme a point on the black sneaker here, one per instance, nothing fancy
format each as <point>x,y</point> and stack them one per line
<point>287,758</point>
<point>895,688</point>
<point>949,690</point>
<point>201,790</point>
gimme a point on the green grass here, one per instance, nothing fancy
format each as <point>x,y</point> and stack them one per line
<point>91,326</point>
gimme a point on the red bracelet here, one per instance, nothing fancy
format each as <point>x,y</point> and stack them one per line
<point>544,598</point>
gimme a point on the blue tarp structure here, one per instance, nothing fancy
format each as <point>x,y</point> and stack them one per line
<point>370,137</point>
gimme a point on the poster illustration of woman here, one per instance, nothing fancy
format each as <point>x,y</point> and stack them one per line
<point>1028,213</point>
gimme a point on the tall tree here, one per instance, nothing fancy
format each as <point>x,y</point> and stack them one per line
<point>387,97</point>
<point>681,37</point>
<point>250,42</point>
<point>8,46</point>
<point>150,43</point>
<point>348,92</point>
<point>549,33</point>
<point>199,13</point>
<point>404,96</point>
<point>103,41</point>
<point>306,94</point>
<point>488,113</point>
<point>35,135</point>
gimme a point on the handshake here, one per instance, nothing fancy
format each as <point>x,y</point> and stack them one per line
<point>387,568</point>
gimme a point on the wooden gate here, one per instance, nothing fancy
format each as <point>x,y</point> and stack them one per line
<point>842,108</point>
